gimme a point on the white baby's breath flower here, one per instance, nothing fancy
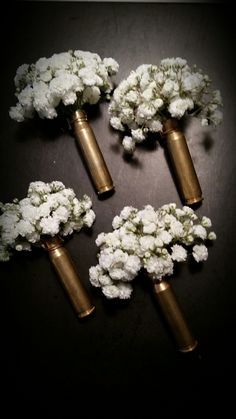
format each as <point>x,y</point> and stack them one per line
<point>178,253</point>
<point>200,252</point>
<point>131,97</point>
<point>94,274</point>
<point>147,243</point>
<point>206,222</point>
<point>17,112</point>
<point>111,65</point>
<point>91,95</point>
<point>111,291</point>
<point>154,125</point>
<point>127,212</point>
<point>200,231</point>
<point>138,135</point>
<point>104,280</point>
<point>176,229</point>
<point>129,242</point>
<point>165,236</point>
<point>149,239</point>
<point>151,94</point>
<point>48,209</point>
<point>69,79</point>
<point>178,107</point>
<point>116,123</point>
<point>125,290</point>
<point>211,236</point>
<point>101,238</point>
<point>204,122</point>
<point>117,222</point>
<point>129,144</point>
<point>89,218</point>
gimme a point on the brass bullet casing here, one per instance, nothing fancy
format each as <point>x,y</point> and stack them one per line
<point>174,317</point>
<point>186,177</point>
<point>91,152</point>
<point>66,271</point>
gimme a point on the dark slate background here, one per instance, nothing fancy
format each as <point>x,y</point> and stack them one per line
<point>54,365</point>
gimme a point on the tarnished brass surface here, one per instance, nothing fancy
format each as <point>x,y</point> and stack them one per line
<point>174,317</point>
<point>66,271</point>
<point>185,174</point>
<point>91,152</point>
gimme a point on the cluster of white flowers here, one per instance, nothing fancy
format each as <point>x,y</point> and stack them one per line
<point>150,239</point>
<point>69,79</point>
<point>48,209</point>
<point>151,94</point>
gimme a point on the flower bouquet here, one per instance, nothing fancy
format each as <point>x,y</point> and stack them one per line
<point>62,85</point>
<point>152,240</point>
<point>153,99</point>
<point>49,212</point>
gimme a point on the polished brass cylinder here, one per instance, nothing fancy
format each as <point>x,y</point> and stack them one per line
<point>185,174</point>
<point>174,317</point>
<point>91,152</point>
<point>66,271</point>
